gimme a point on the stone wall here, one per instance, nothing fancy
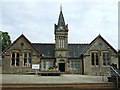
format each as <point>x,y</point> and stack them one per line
<point>16,47</point>
<point>99,46</point>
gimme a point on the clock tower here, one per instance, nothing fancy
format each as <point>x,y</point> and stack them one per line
<point>61,43</point>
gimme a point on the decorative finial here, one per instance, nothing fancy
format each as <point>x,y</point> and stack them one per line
<point>60,7</point>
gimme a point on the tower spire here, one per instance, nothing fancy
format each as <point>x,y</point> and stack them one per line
<point>60,7</point>
<point>61,17</point>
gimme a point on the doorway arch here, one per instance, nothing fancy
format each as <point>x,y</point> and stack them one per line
<point>62,66</point>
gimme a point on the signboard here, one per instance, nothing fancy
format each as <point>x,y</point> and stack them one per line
<point>35,66</point>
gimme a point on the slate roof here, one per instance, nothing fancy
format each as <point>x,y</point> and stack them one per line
<point>48,49</point>
<point>75,50</point>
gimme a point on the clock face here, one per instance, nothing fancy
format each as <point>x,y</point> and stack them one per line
<point>61,27</point>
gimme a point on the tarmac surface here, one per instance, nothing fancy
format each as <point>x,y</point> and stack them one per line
<point>66,78</point>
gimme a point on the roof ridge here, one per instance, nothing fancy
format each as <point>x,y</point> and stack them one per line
<point>78,43</point>
<point>99,36</point>
<point>43,43</point>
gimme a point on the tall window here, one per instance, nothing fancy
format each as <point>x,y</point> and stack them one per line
<point>106,58</point>
<point>51,64</point>
<point>71,65</point>
<point>44,65</point>
<point>94,58</point>
<point>75,66</point>
<point>15,59</point>
<point>79,65</point>
<point>97,61</point>
<point>93,63</point>
<point>27,59</point>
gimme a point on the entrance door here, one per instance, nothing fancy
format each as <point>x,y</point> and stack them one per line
<point>62,67</point>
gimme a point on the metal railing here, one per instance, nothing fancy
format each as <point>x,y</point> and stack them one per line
<point>116,74</point>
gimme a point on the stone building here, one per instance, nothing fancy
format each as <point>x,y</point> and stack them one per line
<point>92,58</point>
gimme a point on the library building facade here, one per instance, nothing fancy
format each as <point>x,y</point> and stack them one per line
<point>88,59</point>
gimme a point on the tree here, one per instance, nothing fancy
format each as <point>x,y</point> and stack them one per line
<point>119,58</point>
<point>5,40</point>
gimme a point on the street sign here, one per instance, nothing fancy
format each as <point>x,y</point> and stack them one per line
<point>35,66</point>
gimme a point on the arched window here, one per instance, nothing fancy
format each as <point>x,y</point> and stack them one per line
<point>27,59</point>
<point>95,58</point>
<point>14,59</point>
<point>106,58</point>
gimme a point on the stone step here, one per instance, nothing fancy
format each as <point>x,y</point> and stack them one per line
<point>106,85</point>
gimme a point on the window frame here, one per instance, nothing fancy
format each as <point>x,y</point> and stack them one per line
<point>27,58</point>
<point>15,58</point>
<point>106,58</point>
<point>74,65</point>
<point>49,64</point>
<point>95,58</point>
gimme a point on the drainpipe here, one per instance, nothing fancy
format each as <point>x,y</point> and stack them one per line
<point>82,65</point>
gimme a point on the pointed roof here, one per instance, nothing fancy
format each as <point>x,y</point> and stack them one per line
<point>17,40</point>
<point>61,18</point>
<point>99,36</point>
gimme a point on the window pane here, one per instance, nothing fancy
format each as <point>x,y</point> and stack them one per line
<point>71,65</point>
<point>13,59</point>
<point>108,59</point>
<point>75,65</point>
<point>29,59</point>
<point>25,59</point>
<point>51,64</point>
<point>96,58</point>
<point>17,55</point>
<point>104,62</point>
<point>13,55</point>
<point>29,55</point>
<point>44,64</point>
<point>92,59</point>
<point>25,55</point>
<point>17,59</point>
<point>13,62</point>
<point>47,64</point>
<point>79,65</point>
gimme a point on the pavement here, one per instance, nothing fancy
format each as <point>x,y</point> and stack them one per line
<point>66,78</point>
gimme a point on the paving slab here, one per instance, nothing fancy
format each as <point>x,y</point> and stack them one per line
<point>66,78</point>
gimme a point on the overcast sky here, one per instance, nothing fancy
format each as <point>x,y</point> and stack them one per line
<point>86,20</point>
